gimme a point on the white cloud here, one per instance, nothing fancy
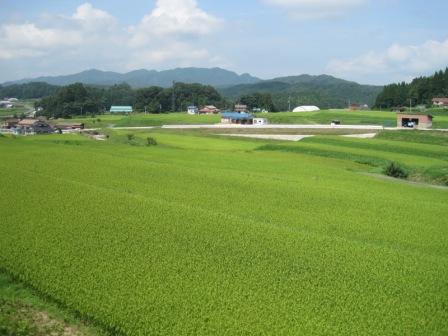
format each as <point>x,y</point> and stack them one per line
<point>316,9</point>
<point>172,34</point>
<point>174,18</point>
<point>91,18</point>
<point>399,62</point>
<point>28,40</point>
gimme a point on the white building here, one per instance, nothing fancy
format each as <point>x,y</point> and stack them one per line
<point>306,108</point>
<point>192,110</point>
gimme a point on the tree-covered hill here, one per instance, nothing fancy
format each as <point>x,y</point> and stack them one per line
<point>420,91</point>
<point>28,90</point>
<point>79,99</point>
<point>324,91</point>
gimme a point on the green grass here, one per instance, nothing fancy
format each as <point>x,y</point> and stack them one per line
<point>141,119</point>
<point>322,117</point>
<point>346,117</point>
<point>415,136</point>
<point>426,162</point>
<point>206,235</point>
<point>24,313</point>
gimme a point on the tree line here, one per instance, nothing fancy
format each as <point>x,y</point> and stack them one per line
<point>420,91</point>
<point>78,99</point>
<point>28,91</point>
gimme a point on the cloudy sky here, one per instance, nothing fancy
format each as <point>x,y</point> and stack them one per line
<point>369,41</point>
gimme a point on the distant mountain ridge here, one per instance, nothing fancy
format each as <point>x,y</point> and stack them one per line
<point>323,90</point>
<point>142,78</point>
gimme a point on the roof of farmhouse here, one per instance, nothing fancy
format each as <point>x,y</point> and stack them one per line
<point>236,115</point>
<point>121,109</point>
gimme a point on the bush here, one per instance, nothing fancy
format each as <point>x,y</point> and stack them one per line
<point>130,137</point>
<point>151,141</point>
<point>395,170</point>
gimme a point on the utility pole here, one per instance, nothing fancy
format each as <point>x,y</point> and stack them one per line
<point>145,109</point>
<point>410,105</point>
<point>173,98</point>
<point>289,104</point>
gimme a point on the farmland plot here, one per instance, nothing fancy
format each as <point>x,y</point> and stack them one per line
<point>189,240</point>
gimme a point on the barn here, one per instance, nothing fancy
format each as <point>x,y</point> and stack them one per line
<point>410,120</point>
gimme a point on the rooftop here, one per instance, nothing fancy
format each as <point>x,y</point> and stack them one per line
<point>121,109</point>
<point>236,115</point>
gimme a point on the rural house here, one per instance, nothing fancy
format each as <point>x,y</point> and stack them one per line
<point>440,101</point>
<point>409,120</point>
<point>10,123</point>
<point>192,110</point>
<point>237,118</point>
<point>209,109</point>
<point>240,108</point>
<point>121,109</point>
<point>34,126</point>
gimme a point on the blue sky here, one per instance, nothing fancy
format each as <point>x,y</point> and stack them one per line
<point>369,41</point>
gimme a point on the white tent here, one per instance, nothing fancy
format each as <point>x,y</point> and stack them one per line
<point>306,109</point>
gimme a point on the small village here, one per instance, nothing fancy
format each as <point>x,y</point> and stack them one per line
<point>240,115</point>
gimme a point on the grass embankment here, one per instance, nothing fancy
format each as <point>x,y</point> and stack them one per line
<point>423,155</point>
<point>201,235</point>
<point>346,117</point>
<point>24,313</point>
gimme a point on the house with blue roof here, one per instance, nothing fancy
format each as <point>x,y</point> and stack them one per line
<point>237,118</point>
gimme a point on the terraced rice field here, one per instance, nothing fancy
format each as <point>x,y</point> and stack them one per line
<point>346,117</point>
<point>208,235</point>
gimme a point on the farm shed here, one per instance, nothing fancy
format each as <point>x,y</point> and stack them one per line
<point>121,109</point>
<point>69,126</point>
<point>34,126</point>
<point>409,120</point>
<point>306,108</point>
<point>237,118</point>
<point>260,121</point>
<point>358,107</point>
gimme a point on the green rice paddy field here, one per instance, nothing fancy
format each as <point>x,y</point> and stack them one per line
<point>346,117</point>
<point>205,235</point>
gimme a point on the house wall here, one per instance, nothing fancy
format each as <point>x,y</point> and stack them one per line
<point>260,121</point>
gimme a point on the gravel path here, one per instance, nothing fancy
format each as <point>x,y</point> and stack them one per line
<point>271,136</point>
<point>362,136</point>
<point>270,126</point>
